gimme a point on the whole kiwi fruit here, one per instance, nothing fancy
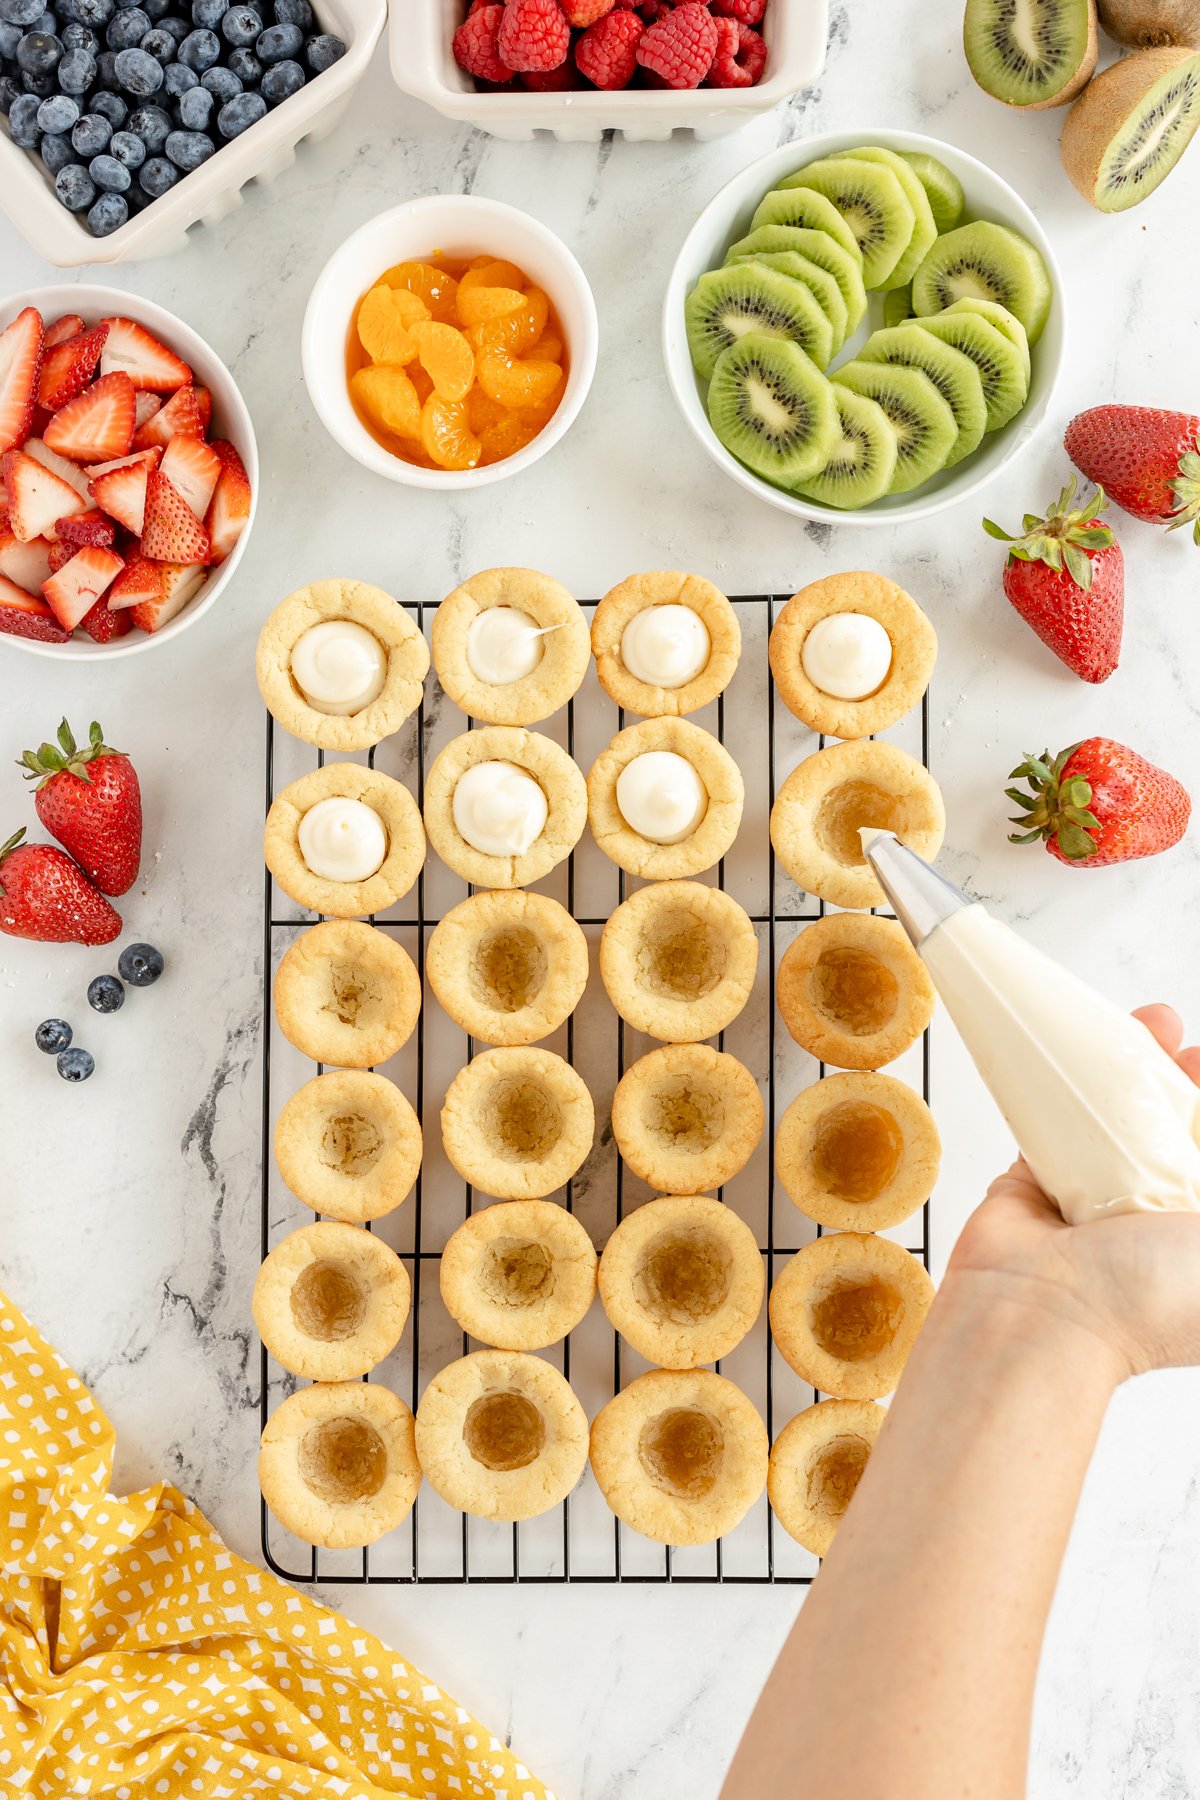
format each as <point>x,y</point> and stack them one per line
<point>1151,24</point>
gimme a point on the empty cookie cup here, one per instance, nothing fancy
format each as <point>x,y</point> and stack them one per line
<point>520,1275</point>
<point>817,1462</point>
<point>347,994</point>
<point>504,806</point>
<point>344,840</point>
<point>510,646</point>
<point>331,1301</point>
<point>857,1152</point>
<point>508,966</point>
<point>846,1312</point>
<point>833,795</point>
<point>852,654</point>
<point>517,1123</point>
<point>665,643</point>
<point>678,960</point>
<point>665,799</point>
<point>680,1455</point>
<point>338,1463</point>
<point>349,1144</point>
<point>687,1118</point>
<point>500,1435</point>
<point>853,992</point>
<point>682,1280</point>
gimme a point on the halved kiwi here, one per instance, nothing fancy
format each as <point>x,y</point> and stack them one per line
<point>922,421</point>
<point>818,247</point>
<point>1002,368</point>
<point>942,186</point>
<point>873,205</point>
<point>897,304</point>
<point>986,262</point>
<point>1031,53</point>
<point>792,204</point>
<point>773,409</point>
<point>1126,132</point>
<point>1005,322</point>
<point>727,303</point>
<point>1151,24</point>
<point>863,463</point>
<point>817,280</point>
<point>924,229</point>
<point>954,375</point>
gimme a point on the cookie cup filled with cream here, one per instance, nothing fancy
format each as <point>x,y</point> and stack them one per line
<point>510,646</point>
<point>504,806</point>
<point>665,643</point>
<point>664,799</point>
<point>851,654</point>
<point>344,840</point>
<point>341,665</point>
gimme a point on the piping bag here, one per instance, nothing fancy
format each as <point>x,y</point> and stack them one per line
<point>1106,1120</point>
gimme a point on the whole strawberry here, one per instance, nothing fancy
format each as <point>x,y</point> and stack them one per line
<point>1148,459</point>
<point>1097,803</point>
<point>43,895</point>
<point>1066,578</point>
<point>90,801</point>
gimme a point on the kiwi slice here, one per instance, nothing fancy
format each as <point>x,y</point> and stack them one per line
<point>727,303</point>
<point>1151,24</point>
<point>790,204</point>
<point>986,262</point>
<point>818,281</point>
<point>924,230</point>
<point>897,304</point>
<point>1005,322</point>
<point>942,187</point>
<point>864,458</point>
<point>817,247</point>
<point>999,361</point>
<point>1127,131</point>
<point>954,376</point>
<point>922,421</point>
<point>873,205</point>
<point>773,409</point>
<point>1031,53</point>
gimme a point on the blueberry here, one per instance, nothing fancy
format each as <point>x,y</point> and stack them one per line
<point>154,9</point>
<point>140,964</point>
<point>106,994</point>
<point>281,80</point>
<point>246,66</point>
<point>137,199</point>
<point>41,85</point>
<point>76,1064</point>
<point>322,52</point>
<point>46,21</point>
<point>279,43</point>
<point>79,37</point>
<point>237,115</point>
<point>200,50</point>
<point>10,37</point>
<point>138,73</point>
<point>39,53</point>
<point>128,149</point>
<point>52,1035</point>
<point>56,151</point>
<point>156,176</point>
<point>178,79</point>
<point>75,187</point>
<point>196,109</point>
<point>23,12</point>
<point>109,175</point>
<point>9,91</point>
<point>91,135</point>
<point>109,106</point>
<point>22,121</point>
<point>108,215</point>
<point>295,12</point>
<point>221,83</point>
<point>95,13</point>
<point>209,13</point>
<point>76,71</point>
<point>240,26</point>
<point>159,44</point>
<point>58,113</point>
<point>127,29</point>
<point>188,149</point>
<point>106,69</point>
<point>152,125</point>
<point>178,28</point>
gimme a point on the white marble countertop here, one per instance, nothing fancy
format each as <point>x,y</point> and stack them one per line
<point>130,1206</point>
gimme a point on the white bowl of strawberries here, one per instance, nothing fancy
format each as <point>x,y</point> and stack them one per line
<point>128,473</point>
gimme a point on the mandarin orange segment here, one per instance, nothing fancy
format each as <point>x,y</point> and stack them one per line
<point>483,411</point>
<point>493,273</point>
<point>445,353</point>
<point>515,333</point>
<point>447,435</point>
<point>389,399</point>
<point>516,383</point>
<point>511,433</point>
<point>548,348</point>
<point>385,320</point>
<point>476,305</point>
<point>421,380</point>
<point>435,286</point>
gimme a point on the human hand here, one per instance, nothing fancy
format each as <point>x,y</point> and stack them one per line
<point>1131,1282</point>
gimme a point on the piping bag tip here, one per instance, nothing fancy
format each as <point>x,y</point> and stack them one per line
<point>920,898</point>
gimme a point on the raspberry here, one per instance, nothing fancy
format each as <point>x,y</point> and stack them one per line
<point>606,54</point>
<point>533,34</point>
<point>753,54</point>
<point>586,12</point>
<point>681,47</point>
<point>475,44</point>
<point>746,12</point>
<point>727,71</point>
<point>549,81</point>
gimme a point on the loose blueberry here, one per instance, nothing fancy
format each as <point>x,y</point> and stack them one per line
<point>178,28</point>
<point>41,85</point>
<point>109,175</point>
<point>76,1064</point>
<point>280,43</point>
<point>127,29</point>
<point>9,91</point>
<point>178,79</point>
<point>22,121</point>
<point>188,149</point>
<point>52,1035</point>
<point>221,83</point>
<point>280,81</point>
<point>322,52</point>
<point>246,66</point>
<point>108,215</point>
<point>95,13</point>
<point>109,106</point>
<point>80,37</point>
<point>92,135</point>
<point>138,73</point>
<point>140,965</point>
<point>106,994</point>
<point>128,148</point>
<point>75,187</point>
<point>106,69</point>
<point>151,124</point>
<point>237,115</point>
<point>196,109</point>
<point>58,113</point>
<point>209,13</point>
<point>155,175</point>
<point>154,9</point>
<point>24,12</point>
<point>159,44</point>
<point>241,26</point>
<point>295,12</point>
<point>46,21</point>
<point>76,72</point>
<point>39,53</point>
<point>200,50</point>
<point>137,199</point>
<point>56,151</point>
<point>10,37</point>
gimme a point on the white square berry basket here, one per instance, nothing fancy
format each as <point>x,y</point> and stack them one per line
<point>260,154</point>
<point>422,59</point>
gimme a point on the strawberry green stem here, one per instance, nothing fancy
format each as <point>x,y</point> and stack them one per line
<point>1056,808</point>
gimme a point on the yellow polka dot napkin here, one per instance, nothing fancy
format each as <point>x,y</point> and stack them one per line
<point>142,1658</point>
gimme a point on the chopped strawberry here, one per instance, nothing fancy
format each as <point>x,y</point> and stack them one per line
<point>37,497</point>
<point>172,532</point>
<point>139,583</point>
<point>122,493</point>
<point>204,402</point>
<point>26,564</point>
<point>180,416</point>
<point>24,615</point>
<point>179,583</point>
<point>193,467</point>
<point>103,624</point>
<point>229,513</point>
<point>98,423</point>
<point>60,555</point>
<point>20,368</point>
<point>75,588</point>
<point>147,405</point>
<point>66,471</point>
<point>69,326</point>
<point>67,369</point>
<point>153,457</point>
<point>87,528</point>
<point>148,364</point>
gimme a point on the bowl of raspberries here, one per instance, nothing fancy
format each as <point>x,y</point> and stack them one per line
<point>578,68</point>
<point>125,122</point>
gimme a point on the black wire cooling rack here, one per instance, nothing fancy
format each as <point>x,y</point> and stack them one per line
<point>579,1541</point>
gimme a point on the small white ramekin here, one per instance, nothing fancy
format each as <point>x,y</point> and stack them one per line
<point>727,217</point>
<point>230,420</point>
<point>457,225</point>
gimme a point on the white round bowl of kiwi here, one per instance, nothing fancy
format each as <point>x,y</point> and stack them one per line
<point>864,326</point>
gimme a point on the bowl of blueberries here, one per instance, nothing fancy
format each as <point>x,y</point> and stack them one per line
<point>125,122</point>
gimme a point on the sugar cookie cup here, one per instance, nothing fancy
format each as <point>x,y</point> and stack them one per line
<point>852,990</point>
<point>349,1144</point>
<point>545,763</point>
<point>405,659</point>
<point>682,1280</point>
<point>687,1118</point>
<point>565,648</point>
<point>831,796</point>
<point>713,835</point>
<point>678,960</point>
<point>665,587</point>
<point>508,966</point>
<point>857,1152</point>
<point>338,1463</point>
<point>517,1123</point>
<point>347,994</point>
<point>404,837</point>
<point>331,1301</point>
<point>520,1275</point>
<point>817,1462</point>
<point>500,1435</point>
<point>846,1312</point>
<point>680,1455</point>
<point>914,652</point>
